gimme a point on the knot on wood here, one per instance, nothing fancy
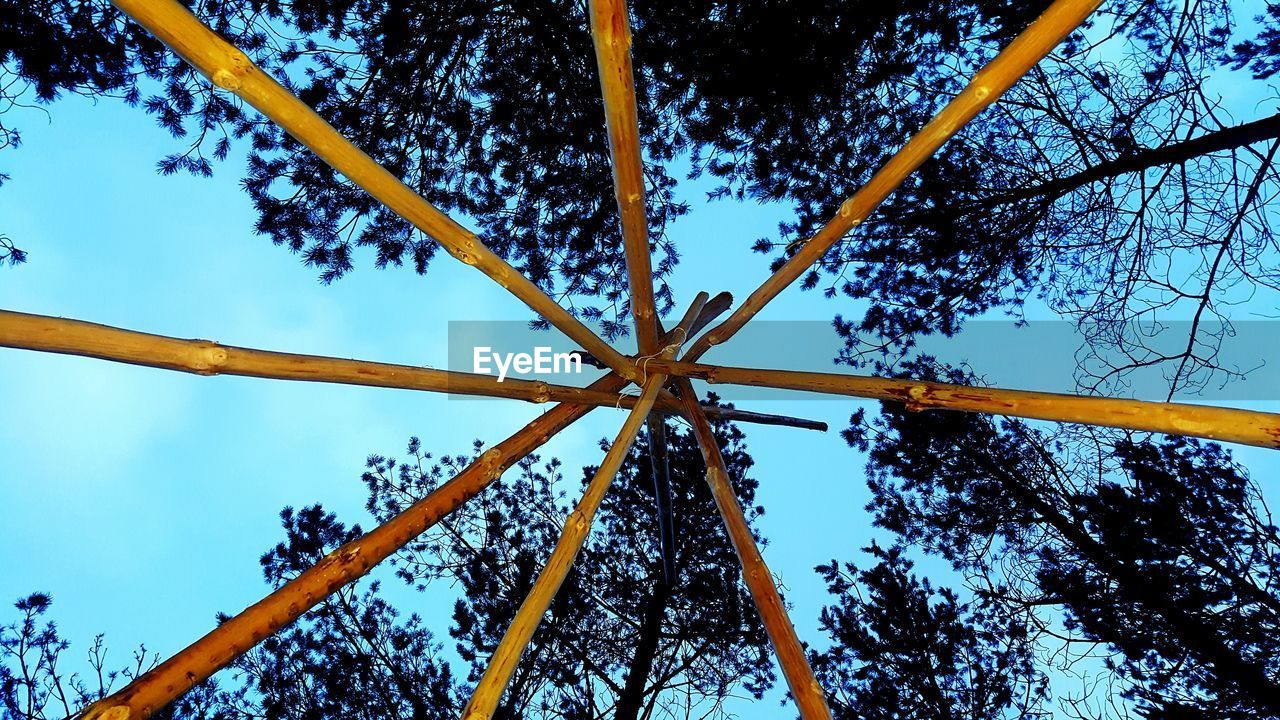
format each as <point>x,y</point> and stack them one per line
<point>209,359</point>
<point>542,392</point>
<point>491,462</point>
<point>915,398</point>
<point>466,250</point>
<point>231,76</point>
<point>226,80</point>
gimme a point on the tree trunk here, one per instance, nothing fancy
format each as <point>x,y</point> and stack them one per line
<point>662,496</point>
<point>632,698</point>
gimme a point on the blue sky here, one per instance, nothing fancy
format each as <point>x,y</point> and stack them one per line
<point>141,499</point>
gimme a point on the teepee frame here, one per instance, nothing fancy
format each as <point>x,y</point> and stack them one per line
<point>654,369</point>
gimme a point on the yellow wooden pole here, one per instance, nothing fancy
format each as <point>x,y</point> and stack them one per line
<point>782,634</point>
<point>203,357</point>
<point>611,34</point>
<point>503,663</point>
<point>232,70</point>
<point>1246,427</point>
<point>1057,22</point>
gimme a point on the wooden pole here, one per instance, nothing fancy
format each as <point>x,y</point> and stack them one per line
<point>707,312</point>
<point>203,357</point>
<point>232,70</point>
<point>694,313</point>
<point>658,466</point>
<point>737,415</point>
<point>503,663</point>
<point>1246,427</point>
<point>611,35</point>
<point>782,634</point>
<point>715,307</point>
<point>231,639</point>
<point>1057,22</point>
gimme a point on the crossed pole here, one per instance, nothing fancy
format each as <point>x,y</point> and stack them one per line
<point>655,369</point>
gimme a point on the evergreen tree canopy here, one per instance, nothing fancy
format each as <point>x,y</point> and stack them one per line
<point>1158,550</point>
